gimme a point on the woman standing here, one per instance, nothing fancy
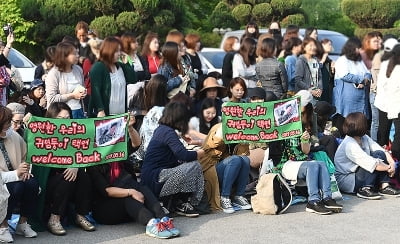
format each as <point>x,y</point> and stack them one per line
<point>327,70</point>
<point>292,51</point>
<point>351,77</point>
<point>129,47</point>
<point>64,83</point>
<point>151,53</point>
<point>308,73</point>
<point>170,170</point>
<point>231,46</point>
<point>197,64</point>
<point>270,72</point>
<point>244,62</point>
<point>109,79</point>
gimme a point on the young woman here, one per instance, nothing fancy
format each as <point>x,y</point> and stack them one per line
<point>24,193</point>
<point>17,120</point>
<point>62,185</point>
<point>64,83</point>
<point>231,46</point>
<point>237,91</point>
<point>311,32</point>
<point>351,77</point>
<point>109,79</point>
<point>327,70</point>
<point>151,53</point>
<point>43,69</point>
<point>270,72</point>
<point>200,125</point>
<point>171,68</point>
<point>169,170</point>
<point>292,51</point>
<point>251,31</point>
<point>119,198</point>
<point>36,100</point>
<point>291,156</point>
<point>362,166</point>
<point>243,63</point>
<point>387,96</point>
<point>197,64</point>
<point>308,74</point>
<point>130,46</point>
<point>211,89</point>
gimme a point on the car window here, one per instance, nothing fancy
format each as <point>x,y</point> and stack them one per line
<point>216,58</point>
<point>18,60</point>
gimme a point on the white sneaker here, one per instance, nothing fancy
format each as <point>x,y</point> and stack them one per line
<point>5,235</point>
<point>227,205</point>
<point>241,202</point>
<point>25,229</point>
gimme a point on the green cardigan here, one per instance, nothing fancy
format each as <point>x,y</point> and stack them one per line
<point>101,86</point>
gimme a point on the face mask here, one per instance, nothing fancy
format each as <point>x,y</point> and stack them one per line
<point>236,46</point>
<point>7,133</point>
<point>83,44</point>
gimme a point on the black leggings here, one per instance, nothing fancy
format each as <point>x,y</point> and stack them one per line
<point>120,210</point>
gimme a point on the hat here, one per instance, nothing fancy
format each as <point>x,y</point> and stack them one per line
<point>211,82</point>
<point>389,44</point>
<point>16,108</point>
<point>323,108</point>
<point>95,46</point>
<point>36,83</point>
<point>256,92</point>
<point>305,97</point>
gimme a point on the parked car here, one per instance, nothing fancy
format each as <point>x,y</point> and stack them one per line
<point>25,66</point>
<point>338,39</point>
<point>213,58</point>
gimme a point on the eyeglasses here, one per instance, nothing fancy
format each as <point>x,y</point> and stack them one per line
<point>18,122</point>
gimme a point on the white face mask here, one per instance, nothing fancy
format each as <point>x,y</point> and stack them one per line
<point>83,44</point>
<point>236,46</point>
<point>7,133</point>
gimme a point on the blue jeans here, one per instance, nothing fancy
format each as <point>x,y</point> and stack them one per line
<point>233,170</point>
<point>375,117</point>
<point>365,178</point>
<point>24,194</point>
<point>316,175</point>
<point>78,114</point>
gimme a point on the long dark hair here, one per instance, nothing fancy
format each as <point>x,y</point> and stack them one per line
<point>155,92</point>
<point>307,118</point>
<point>394,60</point>
<point>204,128</point>
<point>176,116</point>
<point>248,51</point>
<point>170,52</point>
<point>350,47</point>
<point>55,108</point>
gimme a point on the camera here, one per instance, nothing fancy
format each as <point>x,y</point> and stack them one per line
<point>7,28</point>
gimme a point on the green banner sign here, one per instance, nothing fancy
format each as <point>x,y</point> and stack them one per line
<point>261,122</point>
<point>69,143</point>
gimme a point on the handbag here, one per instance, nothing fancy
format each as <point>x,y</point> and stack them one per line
<point>5,77</point>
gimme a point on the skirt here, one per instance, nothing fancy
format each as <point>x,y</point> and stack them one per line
<point>186,178</point>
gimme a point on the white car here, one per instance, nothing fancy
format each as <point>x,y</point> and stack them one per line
<point>213,58</point>
<point>25,66</point>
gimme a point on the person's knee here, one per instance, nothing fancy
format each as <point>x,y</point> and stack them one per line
<point>379,154</point>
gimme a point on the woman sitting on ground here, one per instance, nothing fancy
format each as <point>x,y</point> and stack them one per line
<point>119,198</point>
<point>362,166</point>
<point>169,169</point>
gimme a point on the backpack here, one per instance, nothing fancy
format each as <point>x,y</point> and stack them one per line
<point>273,195</point>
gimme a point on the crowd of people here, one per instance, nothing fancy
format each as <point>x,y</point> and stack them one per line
<point>179,163</point>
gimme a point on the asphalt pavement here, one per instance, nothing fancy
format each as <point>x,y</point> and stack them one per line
<point>362,221</point>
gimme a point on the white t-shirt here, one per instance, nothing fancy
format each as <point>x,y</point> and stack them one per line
<point>118,92</point>
<point>72,83</point>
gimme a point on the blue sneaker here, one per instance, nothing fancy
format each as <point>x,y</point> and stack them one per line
<point>170,226</point>
<point>155,228</point>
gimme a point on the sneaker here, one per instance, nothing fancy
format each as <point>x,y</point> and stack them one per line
<point>155,228</point>
<point>389,191</point>
<point>5,235</point>
<point>318,208</point>
<point>186,209</point>
<point>241,202</point>
<point>82,222</point>
<point>25,229</point>
<point>332,205</point>
<point>368,193</point>
<point>227,205</point>
<point>170,226</point>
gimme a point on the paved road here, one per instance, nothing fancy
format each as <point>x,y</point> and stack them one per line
<point>362,221</point>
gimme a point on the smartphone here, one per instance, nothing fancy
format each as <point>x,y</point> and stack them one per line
<point>7,29</point>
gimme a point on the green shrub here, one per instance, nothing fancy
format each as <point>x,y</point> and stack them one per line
<point>372,14</point>
<point>361,32</point>
<point>242,13</point>
<point>127,21</point>
<point>145,5</point>
<point>164,18</point>
<point>262,13</point>
<point>58,33</point>
<point>284,7</point>
<point>104,26</point>
<point>294,19</point>
<point>221,17</point>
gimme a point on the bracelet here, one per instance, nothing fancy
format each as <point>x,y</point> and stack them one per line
<point>304,140</point>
